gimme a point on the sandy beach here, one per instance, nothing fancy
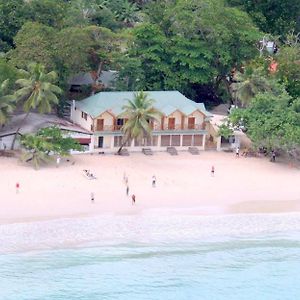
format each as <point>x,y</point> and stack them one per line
<point>184,184</point>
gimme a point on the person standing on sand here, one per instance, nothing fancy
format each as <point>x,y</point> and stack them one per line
<point>57,161</point>
<point>273,156</point>
<point>17,187</point>
<point>237,152</point>
<point>212,171</point>
<point>153,181</point>
<point>133,199</point>
<point>127,190</point>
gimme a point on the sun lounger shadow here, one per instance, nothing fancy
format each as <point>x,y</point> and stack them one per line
<point>88,175</point>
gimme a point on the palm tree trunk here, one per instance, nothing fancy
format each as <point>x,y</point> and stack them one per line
<point>121,147</point>
<point>98,73</point>
<point>21,125</point>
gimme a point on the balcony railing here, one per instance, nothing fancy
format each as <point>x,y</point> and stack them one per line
<point>157,127</point>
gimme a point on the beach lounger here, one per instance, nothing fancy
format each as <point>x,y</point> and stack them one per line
<point>194,150</point>
<point>147,151</point>
<point>172,150</point>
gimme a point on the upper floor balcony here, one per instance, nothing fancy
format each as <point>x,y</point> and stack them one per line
<point>156,127</point>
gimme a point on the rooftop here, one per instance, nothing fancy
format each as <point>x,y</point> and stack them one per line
<point>36,121</point>
<point>165,101</point>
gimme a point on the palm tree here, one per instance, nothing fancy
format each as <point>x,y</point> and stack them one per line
<point>128,13</point>
<point>7,102</point>
<point>139,112</point>
<point>250,84</point>
<point>37,150</point>
<point>37,91</point>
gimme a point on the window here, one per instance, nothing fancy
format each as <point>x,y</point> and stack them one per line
<point>191,123</point>
<point>175,140</point>
<point>187,140</point>
<point>171,123</point>
<point>198,140</point>
<point>84,115</point>
<point>120,122</point>
<point>165,140</point>
<point>100,125</point>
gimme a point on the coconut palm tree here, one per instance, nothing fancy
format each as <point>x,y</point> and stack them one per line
<point>36,90</point>
<point>36,150</point>
<point>7,102</point>
<point>250,84</point>
<point>128,13</point>
<point>138,112</point>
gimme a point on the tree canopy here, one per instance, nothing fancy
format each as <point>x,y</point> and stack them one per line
<point>202,48</point>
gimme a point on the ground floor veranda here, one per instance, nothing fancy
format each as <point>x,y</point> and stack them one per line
<point>157,142</point>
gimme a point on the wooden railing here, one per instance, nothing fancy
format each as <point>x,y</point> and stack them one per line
<point>157,127</point>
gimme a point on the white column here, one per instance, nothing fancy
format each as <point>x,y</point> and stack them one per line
<point>159,141</point>
<point>181,140</point>
<point>112,139</point>
<point>132,144</point>
<point>219,140</point>
<point>92,143</point>
<point>203,141</point>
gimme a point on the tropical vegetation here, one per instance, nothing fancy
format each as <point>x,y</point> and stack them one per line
<point>40,148</point>
<point>36,91</point>
<point>206,49</point>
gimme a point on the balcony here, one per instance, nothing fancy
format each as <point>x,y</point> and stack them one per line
<point>156,127</point>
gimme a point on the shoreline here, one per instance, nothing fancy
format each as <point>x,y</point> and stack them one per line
<point>184,183</point>
<point>147,230</point>
<point>239,209</point>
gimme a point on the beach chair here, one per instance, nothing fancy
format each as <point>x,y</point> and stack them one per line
<point>194,150</point>
<point>147,151</point>
<point>172,150</point>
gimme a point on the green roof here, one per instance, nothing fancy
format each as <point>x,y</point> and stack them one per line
<point>165,101</point>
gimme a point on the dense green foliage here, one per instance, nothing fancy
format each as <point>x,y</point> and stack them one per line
<point>206,49</point>
<point>271,121</point>
<point>277,17</point>
<point>7,102</point>
<point>46,142</point>
<point>36,91</point>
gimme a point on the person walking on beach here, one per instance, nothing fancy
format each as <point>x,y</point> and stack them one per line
<point>92,197</point>
<point>127,190</point>
<point>153,181</point>
<point>125,178</point>
<point>17,187</point>
<point>57,161</point>
<point>133,199</point>
<point>212,171</point>
<point>237,152</point>
<point>273,156</point>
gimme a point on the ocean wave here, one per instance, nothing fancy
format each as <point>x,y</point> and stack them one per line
<point>151,227</point>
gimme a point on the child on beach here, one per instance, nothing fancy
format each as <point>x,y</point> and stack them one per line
<point>17,187</point>
<point>212,171</point>
<point>153,181</point>
<point>237,152</point>
<point>133,199</point>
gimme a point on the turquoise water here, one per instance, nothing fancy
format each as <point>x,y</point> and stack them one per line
<point>152,257</point>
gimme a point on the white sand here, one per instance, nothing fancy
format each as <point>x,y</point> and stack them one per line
<point>184,184</point>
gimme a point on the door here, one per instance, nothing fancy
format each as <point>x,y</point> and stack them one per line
<point>191,123</point>
<point>171,124</point>
<point>100,125</point>
<point>100,142</point>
